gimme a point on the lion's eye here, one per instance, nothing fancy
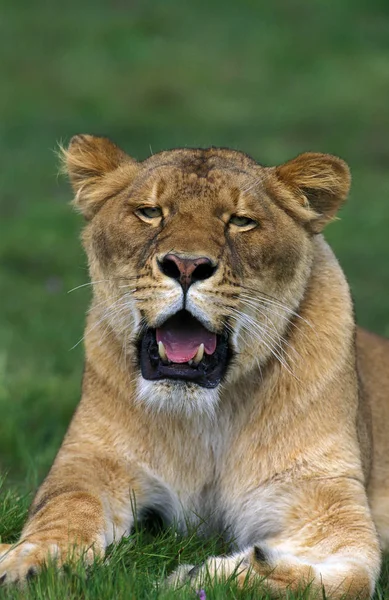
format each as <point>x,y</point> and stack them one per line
<point>150,212</point>
<point>242,221</point>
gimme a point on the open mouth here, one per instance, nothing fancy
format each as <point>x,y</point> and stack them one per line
<point>182,348</point>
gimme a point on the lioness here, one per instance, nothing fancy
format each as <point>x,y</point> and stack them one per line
<point>224,377</point>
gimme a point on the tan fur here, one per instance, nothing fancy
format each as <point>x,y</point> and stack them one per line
<point>280,455</point>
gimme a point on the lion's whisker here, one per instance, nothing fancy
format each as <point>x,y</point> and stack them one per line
<point>104,316</point>
<point>260,327</point>
<point>254,304</point>
<point>118,311</point>
<point>271,300</point>
<point>102,302</point>
<point>251,304</point>
<point>247,321</point>
<point>89,283</point>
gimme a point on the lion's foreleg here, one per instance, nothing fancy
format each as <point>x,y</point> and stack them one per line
<point>327,541</point>
<point>85,503</point>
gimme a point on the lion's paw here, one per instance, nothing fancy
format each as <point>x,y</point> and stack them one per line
<point>23,560</point>
<point>221,568</point>
<point>180,576</point>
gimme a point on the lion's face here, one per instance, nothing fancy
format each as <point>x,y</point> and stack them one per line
<point>202,258</point>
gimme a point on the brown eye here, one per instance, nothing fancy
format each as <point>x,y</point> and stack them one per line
<point>150,212</point>
<point>242,221</point>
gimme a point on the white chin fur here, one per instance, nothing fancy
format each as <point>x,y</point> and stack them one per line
<point>177,397</point>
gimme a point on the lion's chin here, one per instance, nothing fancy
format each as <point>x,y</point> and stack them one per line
<point>179,398</point>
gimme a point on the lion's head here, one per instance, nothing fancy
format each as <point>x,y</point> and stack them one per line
<point>202,258</point>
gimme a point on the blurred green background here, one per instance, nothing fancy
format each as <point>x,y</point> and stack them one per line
<point>270,78</point>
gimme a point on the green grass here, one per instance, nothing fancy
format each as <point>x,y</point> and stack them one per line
<point>136,568</point>
<point>270,78</point>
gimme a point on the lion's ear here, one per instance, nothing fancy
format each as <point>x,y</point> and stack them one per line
<point>319,183</point>
<point>90,163</point>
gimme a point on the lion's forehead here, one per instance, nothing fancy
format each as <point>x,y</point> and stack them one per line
<point>202,160</point>
<point>211,176</point>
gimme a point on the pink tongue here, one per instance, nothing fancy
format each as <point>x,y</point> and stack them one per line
<point>182,338</point>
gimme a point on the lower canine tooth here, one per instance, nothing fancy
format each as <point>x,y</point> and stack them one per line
<point>199,354</point>
<point>162,351</point>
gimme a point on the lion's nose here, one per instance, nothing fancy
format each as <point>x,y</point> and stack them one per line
<point>187,270</point>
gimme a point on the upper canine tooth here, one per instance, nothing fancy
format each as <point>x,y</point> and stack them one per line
<point>199,354</point>
<point>162,351</point>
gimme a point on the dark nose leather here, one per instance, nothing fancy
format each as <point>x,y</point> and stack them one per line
<point>187,270</point>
